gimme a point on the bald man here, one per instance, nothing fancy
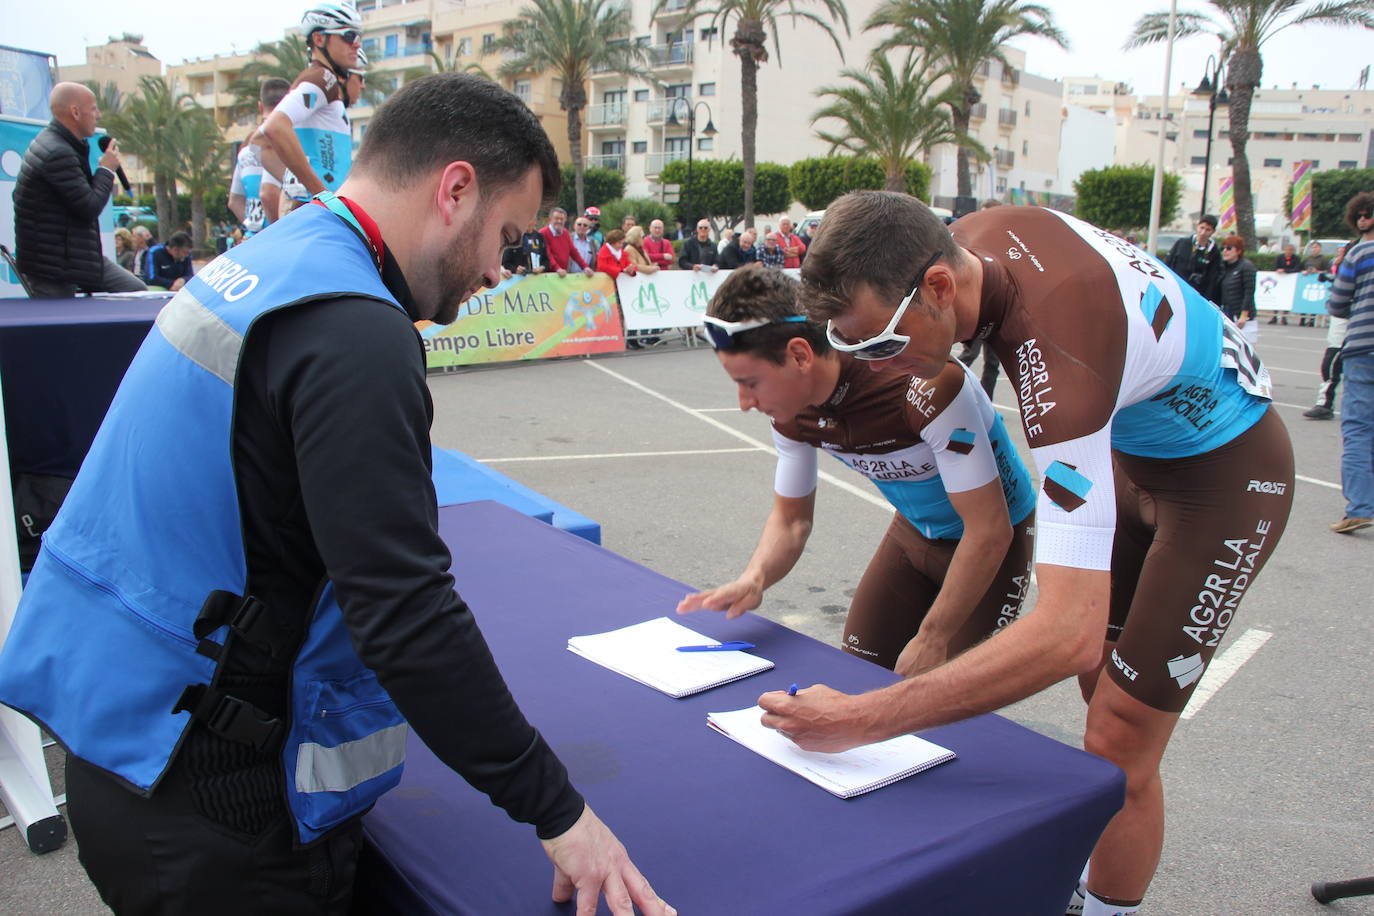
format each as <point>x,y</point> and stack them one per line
<point>58,199</point>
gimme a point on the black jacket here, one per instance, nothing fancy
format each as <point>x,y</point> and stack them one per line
<point>56,203</point>
<point>694,253</point>
<point>1200,268</point>
<point>734,256</point>
<point>1238,289</point>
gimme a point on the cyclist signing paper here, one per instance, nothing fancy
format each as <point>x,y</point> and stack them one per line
<point>1166,478</point>
<point>955,561</point>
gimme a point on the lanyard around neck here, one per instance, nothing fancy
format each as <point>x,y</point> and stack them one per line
<point>340,209</point>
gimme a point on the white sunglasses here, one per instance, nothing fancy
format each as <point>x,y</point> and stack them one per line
<point>888,343</point>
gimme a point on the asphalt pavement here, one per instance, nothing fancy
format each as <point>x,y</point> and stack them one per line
<point>1267,783</point>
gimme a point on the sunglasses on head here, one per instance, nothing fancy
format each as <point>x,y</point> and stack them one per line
<point>888,343</point>
<point>723,333</point>
<point>349,36</point>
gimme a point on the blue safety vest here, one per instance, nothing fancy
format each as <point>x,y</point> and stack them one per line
<point>128,602</point>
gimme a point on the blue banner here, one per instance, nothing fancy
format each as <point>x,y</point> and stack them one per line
<point>25,84</point>
<point>1309,296</point>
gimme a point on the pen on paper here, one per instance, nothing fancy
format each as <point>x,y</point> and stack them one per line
<point>732,646</point>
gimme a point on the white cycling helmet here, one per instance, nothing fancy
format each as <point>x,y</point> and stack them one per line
<point>332,14</point>
<point>360,67</point>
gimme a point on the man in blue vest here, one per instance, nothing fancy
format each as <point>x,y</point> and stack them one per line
<point>245,598</point>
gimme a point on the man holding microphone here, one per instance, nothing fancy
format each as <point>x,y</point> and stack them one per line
<point>57,201</point>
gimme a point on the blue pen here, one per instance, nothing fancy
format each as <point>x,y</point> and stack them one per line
<point>792,691</point>
<point>732,646</point>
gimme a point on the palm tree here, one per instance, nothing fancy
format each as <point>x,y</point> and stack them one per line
<point>754,20</point>
<point>107,96</point>
<point>201,159</point>
<point>572,39</point>
<point>285,59</point>
<point>890,114</point>
<point>1243,28</point>
<point>960,36</point>
<point>144,127</point>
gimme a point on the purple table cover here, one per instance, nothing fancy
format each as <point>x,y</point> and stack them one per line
<point>61,361</point>
<point>1004,829</point>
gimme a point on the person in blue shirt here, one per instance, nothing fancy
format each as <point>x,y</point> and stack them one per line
<point>169,265</point>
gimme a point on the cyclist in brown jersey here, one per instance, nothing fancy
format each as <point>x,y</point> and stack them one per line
<point>1141,403</point>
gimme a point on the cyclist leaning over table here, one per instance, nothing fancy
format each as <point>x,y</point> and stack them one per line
<point>309,130</point>
<point>955,561</point>
<point>1167,478</point>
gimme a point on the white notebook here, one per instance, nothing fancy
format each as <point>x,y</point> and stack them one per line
<point>847,774</point>
<point>647,652</point>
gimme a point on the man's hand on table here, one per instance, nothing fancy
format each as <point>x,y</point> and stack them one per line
<point>589,859</point>
<point>817,719</point>
<point>734,598</point>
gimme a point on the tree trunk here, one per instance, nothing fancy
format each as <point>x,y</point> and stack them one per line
<point>750,44</point>
<point>961,115</point>
<point>1242,79</point>
<point>575,144</point>
<point>164,191</point>
<point>896,178</point>
<point>198,219</point>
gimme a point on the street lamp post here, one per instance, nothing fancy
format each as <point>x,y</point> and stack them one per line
<point>1210,87</point>
<point>708,131</point>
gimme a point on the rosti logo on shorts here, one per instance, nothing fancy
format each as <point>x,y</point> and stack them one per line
<point>1267,486</point>
<point>1065,487</point>
<point>1127,671</point>
<point>961,441</point>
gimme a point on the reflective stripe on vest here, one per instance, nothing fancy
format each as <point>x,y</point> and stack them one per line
<point>338,769</point>
<point>200,335</point>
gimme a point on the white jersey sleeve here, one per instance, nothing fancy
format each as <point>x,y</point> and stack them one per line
<point>236,183</point>
<point>303,101</point>
<point>798,467</point>
<point>959,436</point>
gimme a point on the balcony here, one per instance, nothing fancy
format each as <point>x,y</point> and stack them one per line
<point>660,109</point>
<point>654,162</point>
<point>671,9</point>
<point>611,115</point>
<point>978,112</point>
<point>614,162</point>
<point>1005,158</point>
<point>1011,77</point>
<point>1006,118</point>
<point>415,50</point>
<point>675,56</point>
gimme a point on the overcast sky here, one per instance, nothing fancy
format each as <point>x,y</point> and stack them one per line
<point>173,32</point>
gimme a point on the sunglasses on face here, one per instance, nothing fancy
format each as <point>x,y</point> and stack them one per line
<point>888,343</point>
<point>1365,215</point>
<point>349,36</point>
<point>723,333</point>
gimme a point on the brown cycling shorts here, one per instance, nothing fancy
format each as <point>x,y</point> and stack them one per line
<point>1191,535</point>
<point>904,577</point>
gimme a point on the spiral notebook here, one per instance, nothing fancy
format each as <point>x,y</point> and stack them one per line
<point>847,774</point>
<point>647,652</point>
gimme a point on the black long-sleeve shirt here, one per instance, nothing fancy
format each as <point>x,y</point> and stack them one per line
<point>164,270</point>
<point>332,455</point>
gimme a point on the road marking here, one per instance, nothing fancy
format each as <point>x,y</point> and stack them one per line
<point>1273,368</point>
<point>845,485</point>
<point>604,455</point>
<point>1223,667</point>
<point>1320,483</point>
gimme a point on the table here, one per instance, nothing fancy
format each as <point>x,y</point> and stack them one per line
<point>61,361</point>
<point>1006,828</point>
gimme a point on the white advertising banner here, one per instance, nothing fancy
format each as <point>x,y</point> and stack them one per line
<point>1274,292</point>
<point>668,298</point>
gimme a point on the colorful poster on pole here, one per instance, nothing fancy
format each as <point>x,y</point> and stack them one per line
<point>1302,196</point>
<point>529,317</point>
<point>1228,204</point>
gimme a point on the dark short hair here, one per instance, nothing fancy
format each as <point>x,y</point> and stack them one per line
<point>448,117</point>
<point>1362,202</point>
<point>615,236</point>
<point>1209,219</point>
<point>753,291</point>
<point>272,91</point>
<point>179,240</point>
<point>876,237</point>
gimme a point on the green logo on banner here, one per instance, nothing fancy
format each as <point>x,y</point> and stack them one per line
<point>648,302</point>
<point>699,298</point>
